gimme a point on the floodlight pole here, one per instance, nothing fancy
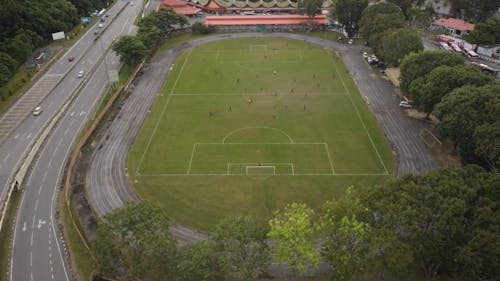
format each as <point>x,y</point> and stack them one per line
<point>105,62</point>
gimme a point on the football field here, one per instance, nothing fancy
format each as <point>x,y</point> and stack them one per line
<point>245,126</point>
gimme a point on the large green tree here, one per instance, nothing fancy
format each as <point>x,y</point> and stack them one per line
<point>142,238</point>
<point>474,10</point>
<point>465,109</point>
<point>450,219</point>
<point>237,250</point>
<point>428,91</point>
<point>487,144</point>
<point>295,232</point>
<point>487,33</point>
<point>377,19</point>
<point>130,49</point>
<point>398,43</point>
<point>418,65</point>
<point>346,243</point>
<point>405,6</point>
<point>349,13</point>
<point>311,8</point>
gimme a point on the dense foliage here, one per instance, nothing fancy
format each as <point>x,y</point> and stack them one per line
<point>377,19</point>
<point>474,10</point>
<point>396,44</point>
<point>349,13</point>
<point>487,33</point>
<point>27,25</point>
<point>419,64</point>
<point>153,30</point>
<point>311,8</point>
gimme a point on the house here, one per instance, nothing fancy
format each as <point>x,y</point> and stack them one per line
<point>455,27</point>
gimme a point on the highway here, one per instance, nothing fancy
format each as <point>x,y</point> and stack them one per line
<point>107,182</point>
<point>38,251</point>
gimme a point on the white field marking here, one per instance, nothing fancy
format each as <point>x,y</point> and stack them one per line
<point>262,94</point>
<point>263,127</point>
<point>188,172</point>
<point>161,115</point>
<point>330,158</point>
<point>191,160</point>
<point>296,174</point>
<point>359,115</point>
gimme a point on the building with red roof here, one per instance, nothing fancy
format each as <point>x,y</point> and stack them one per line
<point>180,7</point>
<point>456,27</point>
<point>264,20</point>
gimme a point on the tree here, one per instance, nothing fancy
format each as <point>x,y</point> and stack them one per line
<point>346,244</point>
<point>142,237</point>
<point>475,11</point>
<point>130,49</point>
<point>106,251</point>
<point>8,61</point>
<point>428,91</point>
<point>310,7</point>
<point>349,13</point>
<point>486,144</point>
<point>463,111</point>
<point>405,6</point>
<point>200,28</point>
<point>241,245</point>
<point>418,65</point>
<point>236,251</point>
<point>398,43</point>
<point>378,18</point>
<point>487,33</point>
<point>443,215</point>
<point>294,231</point>
<point>167,20</point>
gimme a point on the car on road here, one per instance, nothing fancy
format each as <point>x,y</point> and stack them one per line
<point>350,41</point>
<point>37,111</point>
<point>70,59</point>
<point>405,104</point>
<point>81,73</point>
<point>102,19</point>
<point>100,25</point>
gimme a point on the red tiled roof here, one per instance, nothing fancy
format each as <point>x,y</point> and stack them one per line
<point>257,20</point>
<point>173,3</point>
<point>456,24</point>
<point>213,6</point>
<point>180,7</point>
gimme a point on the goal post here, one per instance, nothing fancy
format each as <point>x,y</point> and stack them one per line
<point>260,170</point>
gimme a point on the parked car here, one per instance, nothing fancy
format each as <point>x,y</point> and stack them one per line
<point>350,41</point>
<point>405,104</point>
<point>37,111</point>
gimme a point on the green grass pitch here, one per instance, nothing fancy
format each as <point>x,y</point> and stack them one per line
<point>248,125</point>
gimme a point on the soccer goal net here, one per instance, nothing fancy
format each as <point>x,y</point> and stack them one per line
<point>260,170</point>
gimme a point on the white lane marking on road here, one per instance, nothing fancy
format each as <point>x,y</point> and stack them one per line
<point>6,157</point>
<point>31,239</point>
<point>82,113</point>
<point>50,162</point>
<point>32,276</point>
<point>24,227</point>
<point>16,136</point>
<point>44,177</point>
<point>28,136</point>
<point>36,204</point>
<point>72,113</point>
<point>31,258</point>
<point>59,143</point>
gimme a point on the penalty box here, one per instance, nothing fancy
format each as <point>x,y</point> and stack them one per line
<point>267,158</point>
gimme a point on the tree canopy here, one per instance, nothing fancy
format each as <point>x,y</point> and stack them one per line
<point>398,43</point>
<point>427,91</point>
<point>295,232</point>
<point>463,111</point>
<point>349,14</point>
<point>420,64</point>
<point>378,18</point>
<point>311,8</point>
<point>487,33</point>
<point>130,49</point>
<point>475,11</point>
<point>139,235</point>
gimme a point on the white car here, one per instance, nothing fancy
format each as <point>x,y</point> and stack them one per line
<point>100,25</point>
<point>37,111</point>
<point>350,41</point>
<point>365,55</point>
<point>81,73</point>
<point>405,104</point>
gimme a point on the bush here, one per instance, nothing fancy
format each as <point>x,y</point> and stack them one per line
<point>200,28</point>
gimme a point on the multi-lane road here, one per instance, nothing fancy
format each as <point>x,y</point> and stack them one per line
<point>38,250</point>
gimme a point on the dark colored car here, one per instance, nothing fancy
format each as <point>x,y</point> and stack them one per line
<point>71,58</point>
